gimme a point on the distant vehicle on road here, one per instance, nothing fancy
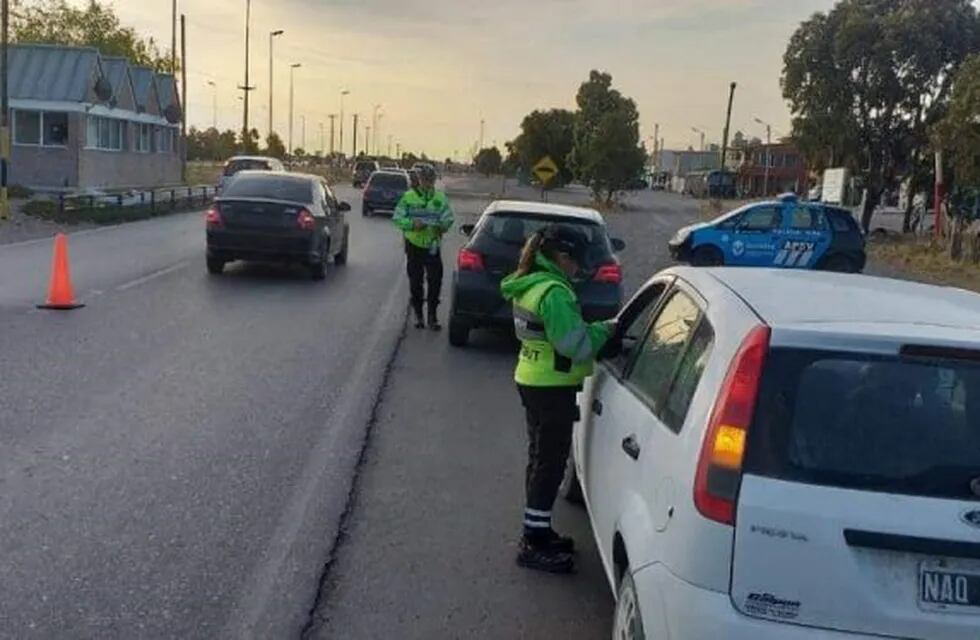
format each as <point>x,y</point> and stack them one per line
<point>277,217</point>
<point>785,233</point>
<point>778,456</point>
<point>383,191</point>
<point>660,181</point>
<point>362,171</point>
<point>247,163</point>
<point>710,184</point>
<point>493,251</point>
<point>419,165</point>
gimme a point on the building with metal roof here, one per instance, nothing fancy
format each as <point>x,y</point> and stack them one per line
<point>83,121</point>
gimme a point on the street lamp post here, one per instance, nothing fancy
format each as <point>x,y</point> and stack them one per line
<point>377,135</point>
<point>343,93</point>
<point>292,68</point>
<point>302,135</point>
<point>272,36</point>
<point>367,139</point>
<point>214,103</point>
<point>701,131</point>
<point>768,127</point>
<point>333,120</point>
<point>374,125</point>
<point>246,88</point>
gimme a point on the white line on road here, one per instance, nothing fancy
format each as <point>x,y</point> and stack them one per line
<point>150,276</point>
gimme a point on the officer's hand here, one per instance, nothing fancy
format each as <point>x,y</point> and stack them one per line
<point>418,225</point>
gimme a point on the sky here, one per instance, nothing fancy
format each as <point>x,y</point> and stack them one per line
<point>439,67</point>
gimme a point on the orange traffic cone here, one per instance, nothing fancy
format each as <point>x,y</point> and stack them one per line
<point>61,295</point>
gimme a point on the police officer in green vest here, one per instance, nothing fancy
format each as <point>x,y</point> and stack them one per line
<point>558,350</point>
<point>424,216</point>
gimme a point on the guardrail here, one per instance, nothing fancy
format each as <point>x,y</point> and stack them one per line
<point>155,201</point>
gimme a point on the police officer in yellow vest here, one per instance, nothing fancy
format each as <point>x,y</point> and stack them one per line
<point>424,216</point>
<point>558,350</point>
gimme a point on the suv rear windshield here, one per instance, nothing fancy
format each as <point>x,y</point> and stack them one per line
<point>234,166</point>
<point>271,187</point>
<point>896,425</point>
<point>505,232</point>
<point>388,181</point>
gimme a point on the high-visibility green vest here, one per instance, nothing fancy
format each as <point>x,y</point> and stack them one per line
<point>539,365</point>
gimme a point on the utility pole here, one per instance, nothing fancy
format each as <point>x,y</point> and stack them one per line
<point>768,127</point>
<point>214,103</point>
<point>342,94</point>
<point>377,134</point>
<point>322,149</point>
<point>302,138</point>
<point>482,130</point>
<point>374,125</point>
<point>354,154</point>
<point>272,36</point>
<point>183,97</point>
<point>656,145</point>
<point>333,119</point>
<point>246,88</point>
<point>398,151</point>
<point>389,144</point>
<point>173,39</point>
<point>292,69</point>
<point>728,124</point>
<point>5,106</point>
<point>367,140</point>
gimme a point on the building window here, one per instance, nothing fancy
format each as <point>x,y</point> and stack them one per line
<point>791,161</point>
<point>40,128</point>
<point>107,134</point>
<point>27,127</point>
<point>144,135</point>
<point>55,129</point>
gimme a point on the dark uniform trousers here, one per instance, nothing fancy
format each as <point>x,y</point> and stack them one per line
<point>551,415</point>
<point>424,273</point>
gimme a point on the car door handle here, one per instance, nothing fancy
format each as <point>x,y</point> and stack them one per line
<point>631,447</point>
<point>597,407</point>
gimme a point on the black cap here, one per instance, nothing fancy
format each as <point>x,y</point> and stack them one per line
<point>567,239</point>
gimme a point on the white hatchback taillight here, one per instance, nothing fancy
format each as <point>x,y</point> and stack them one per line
<point>719,471</point>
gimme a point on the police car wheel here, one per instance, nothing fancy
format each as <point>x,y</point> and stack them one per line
<point>839,264</point>
<point>707,256</point>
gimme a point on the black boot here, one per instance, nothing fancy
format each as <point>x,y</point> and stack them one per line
<point>558,542</point>
<point>541,557</point>
<point>434,318</point>
<point>419,319</point>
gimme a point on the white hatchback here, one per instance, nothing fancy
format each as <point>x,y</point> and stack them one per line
<point>788,456</point>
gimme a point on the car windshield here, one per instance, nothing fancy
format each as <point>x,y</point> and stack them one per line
<point>234,166</point>
<point>855,421</point>
<point>388,181</point>
<point>271,187</point>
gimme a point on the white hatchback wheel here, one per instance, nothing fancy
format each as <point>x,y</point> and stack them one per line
<point>628,624</point>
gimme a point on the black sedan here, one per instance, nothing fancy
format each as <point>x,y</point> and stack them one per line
<point>383,191</point>
<point>494,249</point>
<point>277,217</point>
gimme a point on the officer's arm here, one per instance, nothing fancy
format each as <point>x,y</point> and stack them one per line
<point>401,218</point>
<point>567,332</point>
<point>447,218</point>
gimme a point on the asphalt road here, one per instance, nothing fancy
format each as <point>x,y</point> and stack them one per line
<point>429,548</point>
<point>178,458</point>
<point>175,458</point>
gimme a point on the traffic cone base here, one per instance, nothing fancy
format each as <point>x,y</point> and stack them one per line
<point>61,294</point>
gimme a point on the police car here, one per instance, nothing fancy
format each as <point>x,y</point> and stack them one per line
<point>785,233</point>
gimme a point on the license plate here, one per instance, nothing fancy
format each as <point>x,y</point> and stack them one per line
<point>946,588</point>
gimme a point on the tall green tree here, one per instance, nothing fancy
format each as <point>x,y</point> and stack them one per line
<point>607,154</point>
<point>93,25</point>
<point>866,80</point>
<point>274,146</point>
<point>544,133</point>
<point>488,161</point>
<point>250,144</point>
<point>958,133</point>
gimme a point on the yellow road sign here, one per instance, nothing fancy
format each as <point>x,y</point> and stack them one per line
<point>545,170</point>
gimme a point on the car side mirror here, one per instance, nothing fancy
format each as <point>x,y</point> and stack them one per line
<point>343,207</point>
<point>618,245</point>
<point>467,229</point>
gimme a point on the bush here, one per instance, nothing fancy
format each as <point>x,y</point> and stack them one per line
<point>19,192</point>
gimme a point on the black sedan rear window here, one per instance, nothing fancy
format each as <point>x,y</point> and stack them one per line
<point>234,166</point>
<point>271,187</point>
<point>389,181</point>
<point>897,425</point>
<point>507,232</point>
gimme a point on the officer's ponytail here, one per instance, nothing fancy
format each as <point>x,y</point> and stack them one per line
<point>528,254</point>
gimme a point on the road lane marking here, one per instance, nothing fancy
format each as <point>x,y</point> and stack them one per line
<point>150,276</point>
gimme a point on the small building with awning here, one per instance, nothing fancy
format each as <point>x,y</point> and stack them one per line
<point>80,120</point>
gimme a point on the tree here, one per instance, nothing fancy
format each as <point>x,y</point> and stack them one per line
<point>607,154</point>
<point>866,80</point>
<point>250,144</point>
<point>488,161</point>
<point>299,153</point>
<point>544,133</point>
<point>93,25</point>
<point>958,133</point>
<point>210,144</point>
<point>274,146</point>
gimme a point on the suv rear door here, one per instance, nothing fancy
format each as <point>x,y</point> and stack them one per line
<point>859,509</point>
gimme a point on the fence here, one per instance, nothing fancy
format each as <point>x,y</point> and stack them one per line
<point>152,202</point>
